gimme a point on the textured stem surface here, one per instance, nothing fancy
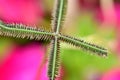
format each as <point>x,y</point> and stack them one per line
<point>84,45</point>
<point>22,31</point>
<point>54,59</point>
<point>58,14</point>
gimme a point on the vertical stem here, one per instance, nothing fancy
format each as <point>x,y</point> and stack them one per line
<point>58,15</point>
<point>54,59</point>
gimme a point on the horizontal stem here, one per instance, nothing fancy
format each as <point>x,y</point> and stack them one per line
<point>85,45</point>
<point>22,31</point>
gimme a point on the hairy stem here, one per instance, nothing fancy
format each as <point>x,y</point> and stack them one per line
<point>84,45</point>
<point>22,31</point>
<point>54,59</point>
<point>58,14</point>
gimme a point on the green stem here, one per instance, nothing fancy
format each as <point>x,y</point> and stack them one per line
<point>22,31</point>
<point>87,46</point>
<point>54,59</point>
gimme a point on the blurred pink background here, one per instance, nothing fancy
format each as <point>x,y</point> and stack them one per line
<point>94,20</point>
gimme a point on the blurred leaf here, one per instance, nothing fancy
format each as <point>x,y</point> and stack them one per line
<point>76,62</point>
<point>4,43</point>
<point>107,33</point>
<point>86,25</point>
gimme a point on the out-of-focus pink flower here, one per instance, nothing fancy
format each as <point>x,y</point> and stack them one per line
<point>110,15</point>
<point>25,63</point>
<point>113,74</point>
<point>89,4</point>
<point>24,11</point>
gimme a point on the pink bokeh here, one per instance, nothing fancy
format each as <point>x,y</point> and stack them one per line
<point>113,74</point>
<point>24,63</point>
<point>21,11</point>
